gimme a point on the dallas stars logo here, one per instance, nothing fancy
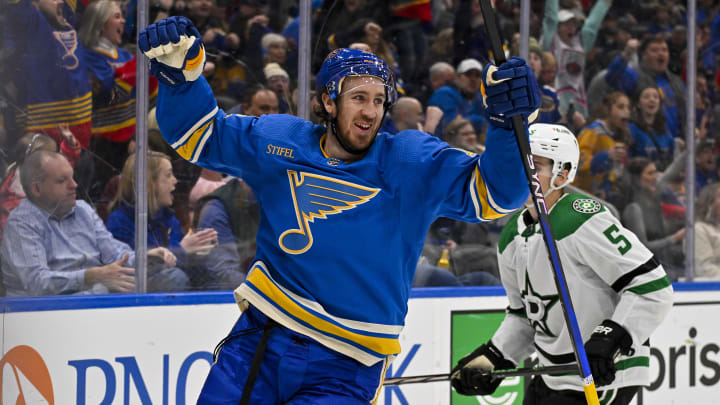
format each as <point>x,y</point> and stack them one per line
<point>537,306</point>
<point>586,206</point>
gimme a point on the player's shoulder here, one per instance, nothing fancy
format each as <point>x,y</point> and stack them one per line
<point>571,212</point>
<point>510,231</point>
<point>410,145</point>
<point>279,126</point>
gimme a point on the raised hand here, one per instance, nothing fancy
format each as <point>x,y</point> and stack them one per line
<point>175,49</point>
<point>509,90</point>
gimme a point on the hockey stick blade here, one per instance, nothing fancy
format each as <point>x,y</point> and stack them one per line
<point>539,202</point>
<point>513,372</point>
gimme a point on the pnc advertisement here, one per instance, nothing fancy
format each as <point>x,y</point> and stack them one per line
<point>160,354</point>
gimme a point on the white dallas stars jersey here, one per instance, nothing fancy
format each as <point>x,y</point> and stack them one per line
<point>610,275</point>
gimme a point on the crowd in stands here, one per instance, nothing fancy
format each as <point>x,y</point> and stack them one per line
<point>613,72</point>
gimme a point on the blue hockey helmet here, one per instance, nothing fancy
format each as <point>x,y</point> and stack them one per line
<point>344,62</point>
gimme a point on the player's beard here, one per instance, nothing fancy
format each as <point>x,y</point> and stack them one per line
<point>345,143</point>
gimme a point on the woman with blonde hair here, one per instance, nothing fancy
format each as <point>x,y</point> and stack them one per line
<point>165,236</point>
<point>707,233</point>
<point>112,74</point>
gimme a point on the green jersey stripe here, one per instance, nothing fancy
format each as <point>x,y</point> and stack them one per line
<point>652,286</point>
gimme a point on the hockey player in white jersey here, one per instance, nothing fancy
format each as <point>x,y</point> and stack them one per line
<point>620,292</point>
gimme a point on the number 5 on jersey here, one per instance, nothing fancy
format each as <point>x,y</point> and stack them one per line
<point>624,243</point>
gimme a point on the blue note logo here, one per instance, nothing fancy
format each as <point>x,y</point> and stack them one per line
<point>316,196</point>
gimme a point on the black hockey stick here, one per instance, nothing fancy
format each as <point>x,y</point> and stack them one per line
<point>513,372</point>
<point>539,202</point>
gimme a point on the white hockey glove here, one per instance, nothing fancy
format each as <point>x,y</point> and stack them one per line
<point>175,49</point>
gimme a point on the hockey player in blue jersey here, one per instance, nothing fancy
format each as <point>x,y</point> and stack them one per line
<point>344,213</point>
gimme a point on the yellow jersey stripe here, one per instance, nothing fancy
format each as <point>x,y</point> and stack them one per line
<point>186,151</point>
<point>204,139</point>
<point>68,102</point>
<point>486,211</point>
<point>61,108</point>
<point>71,114</point>
<point>384,346</point>
<point>55,123</point>
<point>111,128</point>
<point>194,128</point>
<point>382,380</point>
<point>68,113</point>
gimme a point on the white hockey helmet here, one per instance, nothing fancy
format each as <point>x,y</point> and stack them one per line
<point>558,144</point>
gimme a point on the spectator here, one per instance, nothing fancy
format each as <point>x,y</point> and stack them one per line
<point>208,182</point>
<point>233,213</point>
<point>653,71</point>
<point>407,113</point>
<point>643,215</point>
<point>462,97</point>
<point>370,33</point>
<point>647,127</point>
<point>461,134</point>
<point>112,73</point>
<point>11,192</point>
<point>661,22</point>
<point>275,48</point>
<point>707,233</point>
<point>598,88</point>
<point>258,100</point>
<point>612,117</point>
<point>47,69</point>
<point>705,165</point>
<point>163,227</point>
<point>361,46</point>
<point>337,17</point>
<point>607,169</point>
<point>408,35</point>
<point>441,74</point>
<point>279,82</point>
<point>560,37</point>
<point>213,31</point>
<point>549,111</point>
<point>223,71</point>
<point>469,34</point>
<point>549,70</point>
<point>441,49</point>
<point>677,45</point>
<point>54,244</point>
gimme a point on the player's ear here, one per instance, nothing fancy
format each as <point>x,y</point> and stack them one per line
<point>562,176</point>
<point>329,104</point>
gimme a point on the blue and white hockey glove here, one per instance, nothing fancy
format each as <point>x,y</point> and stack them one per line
<point>470,376</point>
<point>607,341</point>
<point>175,49</point>
<point>509,90</point>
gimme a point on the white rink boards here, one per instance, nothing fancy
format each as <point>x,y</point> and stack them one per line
<point>157,349</point>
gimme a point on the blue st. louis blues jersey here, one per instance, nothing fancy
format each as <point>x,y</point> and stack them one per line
<point>338,243</point>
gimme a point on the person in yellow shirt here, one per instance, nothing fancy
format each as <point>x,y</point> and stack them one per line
<point>612,117</point>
